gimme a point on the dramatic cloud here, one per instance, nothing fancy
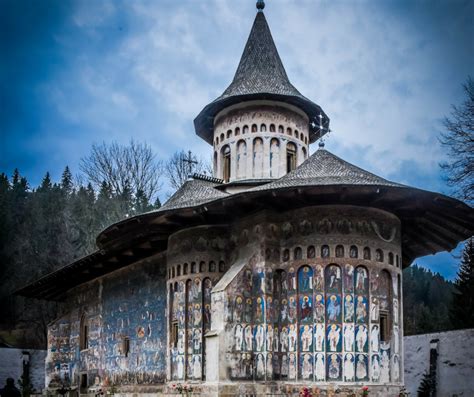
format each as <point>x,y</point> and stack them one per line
<point>78,72</point>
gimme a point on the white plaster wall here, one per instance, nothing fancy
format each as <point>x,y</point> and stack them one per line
<point>11,366</point>
<point>455,368</point>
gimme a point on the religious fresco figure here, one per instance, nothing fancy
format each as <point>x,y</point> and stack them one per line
<point>374,310</point>
<point>292,366</point>
<point>349,337</point>
<point>348,368</point>
<point>207,317</point>
<point>319,278</point>
<point>311,252</point>
<point>361,367</point>
<point>319,367</point>
<point>319,337</point>
<point>284,283</point>
<point>306,366</point>
<point>248,310</point>
<point>190,346</point>
<point>333,338</point>
<point>395,311</point>
<point>247,365</point>
<point>292,309</point>
<point>334,308</point>
<point>284,339</point>
<point>348,309</point>
<point>269,309</point>
<point>374,281</point>
<point>284,366</point>
<point>269,337</point>
<point>259,280</point>
<point>189,366</point>
<point>259,310</point>
<point>375,368</point>
<point>396,340</point>
<point>384,367</point>
<point>197,340</point>
<point>353,252</point>
<point>306,338</point>
<point>396,369</point>
<point>180,367</point>
<point>248,282</point>
<point>348,278</point>
<point>276,340</point>
<point>361,279</point>
<point>325,251</point>
<point>292,338</point>
<point>180,344</point>
<point>248,337</point>
<point>269,366</point>
<point>319,308</point>
<point>333,278</point>
<point>361,309</point>
<point>283,311</point>
<point>361,338</point>
<point>334,367</point>
<point>259,337</point>
<point>238,309</point>
<point>306,309</point>
<point>291,280</point>
<point>239,337</point>
<point>197,315</point>
<point>259,366</point>
<point>305,281</point>
<point>374,339</point>
<point>195,294</point>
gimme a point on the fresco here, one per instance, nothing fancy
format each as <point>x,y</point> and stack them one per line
<point>315,323</point>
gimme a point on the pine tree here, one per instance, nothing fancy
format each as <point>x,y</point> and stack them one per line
<point>462,306</point>
<point>66,181</point>
<point>427,385</point>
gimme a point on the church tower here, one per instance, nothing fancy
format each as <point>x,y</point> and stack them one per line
<point>261,126</point>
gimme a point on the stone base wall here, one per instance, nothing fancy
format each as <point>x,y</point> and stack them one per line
<point>11,366</point>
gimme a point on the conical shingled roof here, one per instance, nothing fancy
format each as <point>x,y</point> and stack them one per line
<point>325,168</point>
<point>260,75</point>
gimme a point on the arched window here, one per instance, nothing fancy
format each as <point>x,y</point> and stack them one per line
<point>302,136</point>
<point>290,157</point>
<point>390,258</point>
<point>241,159</point>
<point>298,253</point>
<point>169,273</point>
<point>193,267</point>
<point>367,255</point>
<point>84,333</point>
<point>340,251</point>
<point>325,251</point>
<point>185,269</point>
<point>379,255</point>
<point>222,137</point>
<point>311,252</point>
<point>254,127</point>
<point>274,157</point>
<point>397,261</point>
<point>306,140</point>
<point>353,252</point>
<point>305,154</point>
<point>221,266</point>
<point>263,128</point>
<point>225,163</point>
<point>281,130</point>
<point>178,271</point>
<point>286,255</point>
<point>237,131</point>
<point>297,135</point>
<point>258,157</point>
<point>172,272</point>
<point>245,130</point>
<point>215,163</point>
<point>272,127</point>
<point>289,131</point>
<point>212,266</point>
<point>202,267</point>
<point>229,133</point>
<point>217,140</point>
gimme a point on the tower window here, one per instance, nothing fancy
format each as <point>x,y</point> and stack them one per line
<point>263,128</point>
<point>280,129</point>
<point>174,334</point>
<point>126,346</point>
<point>272,127</point>
<point>84,334</point>
<point>229,133</point>
<point>254,128</point>
<point>290,157</point>
<point>384,327</point>
<point>246,129</point>
<point>226,163</point>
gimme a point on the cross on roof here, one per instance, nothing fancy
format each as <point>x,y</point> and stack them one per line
<point>190,160</point>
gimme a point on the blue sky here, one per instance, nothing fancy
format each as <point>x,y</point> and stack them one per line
<point>77,72</point>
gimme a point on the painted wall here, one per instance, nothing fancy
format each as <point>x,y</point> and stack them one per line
<point>455,365</point>
<point>130,303</point>
<point>11,366</point>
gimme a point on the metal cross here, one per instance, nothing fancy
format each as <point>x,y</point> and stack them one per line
<point>190,160</point>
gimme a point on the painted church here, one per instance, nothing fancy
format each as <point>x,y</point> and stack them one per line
<point>283,270</point>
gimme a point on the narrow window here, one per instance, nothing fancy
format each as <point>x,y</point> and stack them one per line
<point>290,157</point>
<point>221,266</point>
<point>126,346</point>
<point>384,327</point>
<point>339,251</point>
<point>212,266</point>
<point>202,267</point>
<point>193,267</point>
<point>298,254</point>
<point>289,131</point>
<point>272,127</point>
<point>353,252</point>
<point>325,251</point>
<point>311,252</point>
<point>367,253</point>
<point>222,137</point>
<point>237,131</point>
<point>226,163</point>
<point>379,255</point>
<point>229,133</point>
<point>397,261</point>
<point>263,128</point>
<point>178,271</point>
<point>84,383</point>
<point>281,130</point>
<point>185,269</point>
<point>390,258</point>
<point>246,129</point>
<point>172,271</point>
<point>84,334</point>
<point>174,334</point>
<point>254,127</point>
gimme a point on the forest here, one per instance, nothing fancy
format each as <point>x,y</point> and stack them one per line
<point>45,227</point>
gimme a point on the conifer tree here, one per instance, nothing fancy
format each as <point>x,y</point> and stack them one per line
<point>462,306</point>
<point>66,181</point>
